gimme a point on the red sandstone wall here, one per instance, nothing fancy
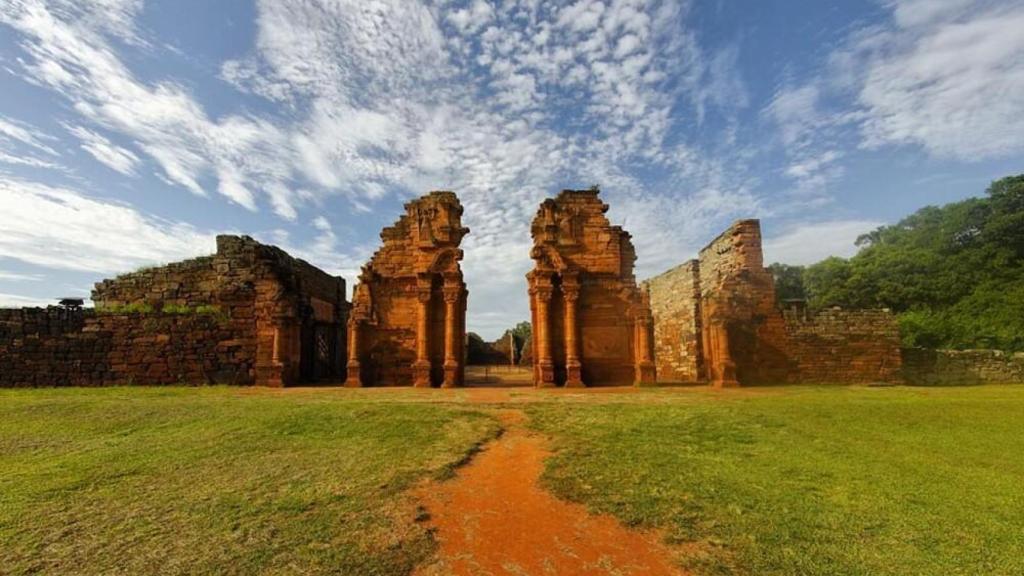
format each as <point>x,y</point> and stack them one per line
<point>843,346</point>
<point>961,367</point>
<point>250,313</point>
<point>675,304</point>
<point>740,320</point>
<point>742,336</point>
<point>55,347</point>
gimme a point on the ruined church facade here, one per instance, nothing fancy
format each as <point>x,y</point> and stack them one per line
<point>408,319</point>
<point>592,324</point>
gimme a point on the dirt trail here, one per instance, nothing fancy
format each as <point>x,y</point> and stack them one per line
<point>495,519</point>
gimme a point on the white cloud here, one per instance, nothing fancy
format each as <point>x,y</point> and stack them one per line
<point>947,76</point>
<point>27,161</point>
<point>16,277</point>
<point>503,103</point>
<point>11,129</point>
<point>810,242</point>
<point>19,301</point>
<point>106,152</point>
<point>795,110</point>
<point>69,52</point>
<point>63,229</point>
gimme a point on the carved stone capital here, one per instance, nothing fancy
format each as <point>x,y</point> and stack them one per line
<point>423,294</point>
<point>452,294</point>
<point>543,293</point>
<point>571,293</point>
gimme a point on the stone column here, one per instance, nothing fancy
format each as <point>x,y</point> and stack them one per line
<point>573,366</point>
<point>276,354</point>
<point>421,367</point>
<point>724,366</point>
<point>452,292</point>
<point>353,372</point>
<point>545,363</point>
<point>645,371</point>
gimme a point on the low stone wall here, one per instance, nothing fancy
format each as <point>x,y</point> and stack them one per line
<point>961,367</point>
<point>57,347</point>
<point>843,346</point>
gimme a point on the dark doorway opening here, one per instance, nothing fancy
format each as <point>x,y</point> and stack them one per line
<point>320,358</point>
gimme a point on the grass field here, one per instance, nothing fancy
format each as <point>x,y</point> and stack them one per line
<point>793,480</point>
<point>808,480</point>
<point>218,481</point>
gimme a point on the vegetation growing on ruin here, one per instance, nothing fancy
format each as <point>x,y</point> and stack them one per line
<point>218,480</point>
<point>954,274</point>
<point>807,480</point>
<point>174,309</point>
<point>133,308</point>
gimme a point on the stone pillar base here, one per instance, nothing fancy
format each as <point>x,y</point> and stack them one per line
<point>451,375</point>
<point>574,375</point>
<point>353,377</point>
<point>727,377</point>
<point>271,375</point>
<point>421,374</point>
<point>546,376</point>
<point>645,374</point>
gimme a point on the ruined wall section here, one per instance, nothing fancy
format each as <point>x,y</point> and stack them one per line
<point>248,314</point>
<point>843,346</point>
<point>961,367</point>
<point>58,347</point>
<point>743,333</point>
<point>675,305</point>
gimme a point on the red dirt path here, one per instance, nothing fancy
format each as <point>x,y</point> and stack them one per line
<point>494,519</point>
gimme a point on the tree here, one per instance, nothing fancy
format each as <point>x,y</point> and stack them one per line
<point>954,274</point>
<point>789,282</point>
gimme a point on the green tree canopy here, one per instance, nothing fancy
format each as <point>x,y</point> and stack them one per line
<point>954,274</point>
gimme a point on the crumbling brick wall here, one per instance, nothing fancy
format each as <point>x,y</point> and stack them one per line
<point>843,346</point>
<point>675,305</point>
<point>248,314</point>
<point>961,367</point>
<point>742,330</point>
<point>744,338</point>
<point>58,347</point>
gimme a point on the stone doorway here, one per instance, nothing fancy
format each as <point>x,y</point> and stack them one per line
<point>320,353</point>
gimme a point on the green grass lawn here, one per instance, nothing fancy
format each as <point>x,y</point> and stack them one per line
<point>219,481</point>
<point>793,480</point>
<point>807,480</point>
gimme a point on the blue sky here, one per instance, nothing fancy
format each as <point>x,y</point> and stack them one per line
<point>133,132</point>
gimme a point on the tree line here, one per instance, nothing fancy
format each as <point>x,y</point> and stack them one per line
<point>954,275</point>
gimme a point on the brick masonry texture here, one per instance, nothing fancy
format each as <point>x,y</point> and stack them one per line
<point>959,367</point>
<point>675,304</point>
<point>717,321</point>
<point>592,324</point>
<point>248,314</point>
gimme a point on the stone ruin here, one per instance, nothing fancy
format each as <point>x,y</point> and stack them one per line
<point>592,324</point>
<point>249,314</point>
<point>408,323</point>
<point>717,321</point>
<point>252,314</point>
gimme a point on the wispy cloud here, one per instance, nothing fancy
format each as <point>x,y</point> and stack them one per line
<point>810,242</point>
<point>106,152</point>
<point>64,229</point>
